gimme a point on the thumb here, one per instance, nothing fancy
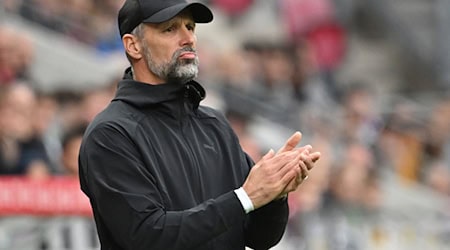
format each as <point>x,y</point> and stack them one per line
<point>291,143</point>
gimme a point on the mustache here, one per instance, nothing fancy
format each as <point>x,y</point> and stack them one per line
<point>185,49</point>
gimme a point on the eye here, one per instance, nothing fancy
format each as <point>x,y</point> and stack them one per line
<point>190,27</point>
<point>170,29</point>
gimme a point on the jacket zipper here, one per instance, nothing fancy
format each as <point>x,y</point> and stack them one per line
<point>195,163</point>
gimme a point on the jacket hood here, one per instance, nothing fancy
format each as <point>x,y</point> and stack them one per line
<point>145,95</point>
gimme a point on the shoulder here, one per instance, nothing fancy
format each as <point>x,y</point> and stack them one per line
<point>113,121</point>
<point>118,114</point>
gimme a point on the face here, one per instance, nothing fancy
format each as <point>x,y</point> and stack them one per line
<point>16,110</point>
<point>169,49</point>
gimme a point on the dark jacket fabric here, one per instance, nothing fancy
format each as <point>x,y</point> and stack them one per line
<point>160,171</point>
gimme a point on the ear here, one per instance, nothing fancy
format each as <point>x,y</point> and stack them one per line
<point>132,46</point>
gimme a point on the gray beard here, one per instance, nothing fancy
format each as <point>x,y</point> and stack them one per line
<point>175,70</point>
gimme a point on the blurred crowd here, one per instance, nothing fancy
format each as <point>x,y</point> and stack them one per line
<point>361,133</point>
<point>88,21</point>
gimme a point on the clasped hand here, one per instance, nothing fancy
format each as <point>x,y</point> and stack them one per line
<point>277,174</point>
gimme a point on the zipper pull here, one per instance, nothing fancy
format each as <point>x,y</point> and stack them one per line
<point>186,91</point>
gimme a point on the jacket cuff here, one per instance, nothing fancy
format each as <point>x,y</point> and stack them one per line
<point>230,209</point>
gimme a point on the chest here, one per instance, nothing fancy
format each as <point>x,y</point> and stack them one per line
<point>192,160</point>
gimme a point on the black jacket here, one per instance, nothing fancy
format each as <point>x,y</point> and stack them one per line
<point>160,171</point>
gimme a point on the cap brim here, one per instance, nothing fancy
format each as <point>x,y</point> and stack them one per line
<point>200,13</point>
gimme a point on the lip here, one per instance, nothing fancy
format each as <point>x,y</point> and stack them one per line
<point>188,55</point>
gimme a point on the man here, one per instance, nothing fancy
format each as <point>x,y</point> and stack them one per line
<point>163,172</point>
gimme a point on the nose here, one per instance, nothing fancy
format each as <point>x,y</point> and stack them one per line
<point>188,37</point>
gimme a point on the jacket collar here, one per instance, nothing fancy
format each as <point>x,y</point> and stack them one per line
<point>144,95</point>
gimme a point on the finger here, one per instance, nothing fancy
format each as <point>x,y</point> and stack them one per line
<point>287,174</point>
<point>291,143</point>
<point>315,156</point>
<point>297,181</point>
<point>282,160</point>
<point>308,162</point>
<point>291,164</point>
<point>306,148</point>
<point>269,154</point>
<point>291,181</point>
<point>304,170</point>
<point>291,186</point>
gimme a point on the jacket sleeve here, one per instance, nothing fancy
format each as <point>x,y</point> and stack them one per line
<point>265,226</point>
<point>128,203</point>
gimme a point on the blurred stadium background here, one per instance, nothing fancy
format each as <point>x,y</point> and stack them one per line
<point>366,82</point>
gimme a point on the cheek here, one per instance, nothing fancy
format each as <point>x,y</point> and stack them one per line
<point>161,52</point>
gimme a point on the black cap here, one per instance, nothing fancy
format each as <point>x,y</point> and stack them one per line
<point>134,12</point>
